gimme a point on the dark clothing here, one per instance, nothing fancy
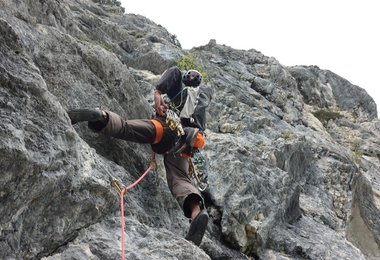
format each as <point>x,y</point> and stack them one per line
<point>143,131</point>
<point>198,118</point>
<point>137,130</point>
<point>171,84</point>
<point>168,139</point>
<point>179,183</point>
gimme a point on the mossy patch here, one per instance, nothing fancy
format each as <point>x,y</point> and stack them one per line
<point>189,62</point>
<point>84,38</point>
<point>324,116</point>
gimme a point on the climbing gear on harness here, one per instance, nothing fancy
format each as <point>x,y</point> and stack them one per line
<point>174,122</point>
<point>121,189</point>
<point>159,131</point>
<point>192,78</point>
<point>198,227</point>
<point>85,114</point>
<point>198,170</point>
<point>198,179</point>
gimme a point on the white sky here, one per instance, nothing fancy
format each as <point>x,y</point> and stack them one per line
<point>339,35</point>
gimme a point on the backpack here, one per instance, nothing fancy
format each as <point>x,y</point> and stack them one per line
<point>193,112</point>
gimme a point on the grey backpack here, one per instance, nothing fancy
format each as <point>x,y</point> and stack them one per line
<point>194,110</point>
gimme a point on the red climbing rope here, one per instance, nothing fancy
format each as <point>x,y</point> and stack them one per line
<point>122,192</point>
<point>122,223</point>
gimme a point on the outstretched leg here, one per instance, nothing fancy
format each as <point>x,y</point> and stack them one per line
<point>111,124</point>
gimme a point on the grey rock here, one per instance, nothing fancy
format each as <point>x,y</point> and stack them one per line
<point>326,89</point>
<point>283,183</point>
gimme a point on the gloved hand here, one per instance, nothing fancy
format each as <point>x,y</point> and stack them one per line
<point>192,139</point>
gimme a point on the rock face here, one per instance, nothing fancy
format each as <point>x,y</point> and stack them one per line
<point>293,153</point>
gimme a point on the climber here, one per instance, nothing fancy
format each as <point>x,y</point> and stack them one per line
<point>172,134</point>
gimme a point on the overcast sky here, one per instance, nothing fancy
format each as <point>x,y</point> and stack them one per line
<point>338,35</point>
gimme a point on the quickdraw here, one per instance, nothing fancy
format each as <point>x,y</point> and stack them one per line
<point>174,122</point>
<point>197,170</point>
<point>118,186</point>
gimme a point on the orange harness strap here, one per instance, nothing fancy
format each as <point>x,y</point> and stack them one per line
<point>159,130</point>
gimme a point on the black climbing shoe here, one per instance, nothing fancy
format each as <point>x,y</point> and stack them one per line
<point>79,115</point>
<point>198,228</point>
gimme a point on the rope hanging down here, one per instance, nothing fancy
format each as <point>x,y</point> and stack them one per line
<point>122,192</point>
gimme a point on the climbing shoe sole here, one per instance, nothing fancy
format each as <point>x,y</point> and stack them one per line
<point>80,115</point>
<point>198,227</point>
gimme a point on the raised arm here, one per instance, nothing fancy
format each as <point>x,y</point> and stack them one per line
<point>159,103</point>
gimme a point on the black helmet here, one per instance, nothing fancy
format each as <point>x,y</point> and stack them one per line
<point>192,78</point>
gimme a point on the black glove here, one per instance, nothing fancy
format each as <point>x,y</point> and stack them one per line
<point>185,144</point>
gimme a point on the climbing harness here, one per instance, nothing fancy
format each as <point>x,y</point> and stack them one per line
<point>121,189</point>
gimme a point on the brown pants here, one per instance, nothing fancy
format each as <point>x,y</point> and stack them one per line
<point>177,167</point>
